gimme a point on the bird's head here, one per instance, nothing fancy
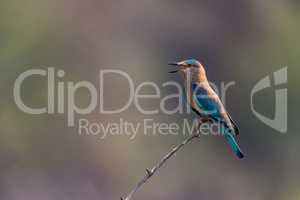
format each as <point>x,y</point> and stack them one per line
<point>183,66</point>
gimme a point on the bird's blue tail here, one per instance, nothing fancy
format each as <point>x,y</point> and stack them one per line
<point>233,144</point>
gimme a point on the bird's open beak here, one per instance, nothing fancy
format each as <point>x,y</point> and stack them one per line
<point>174,64</point>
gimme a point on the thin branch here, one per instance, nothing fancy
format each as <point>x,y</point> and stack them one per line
<point>153,170</point>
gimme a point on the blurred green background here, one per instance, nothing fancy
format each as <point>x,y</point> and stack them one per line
<point>243,41</point>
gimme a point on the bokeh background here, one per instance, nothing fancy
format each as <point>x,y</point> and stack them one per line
<point>241,41</point>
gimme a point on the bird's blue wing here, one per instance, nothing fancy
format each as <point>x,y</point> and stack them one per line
<point>209,105</point>
<point>205,103</point>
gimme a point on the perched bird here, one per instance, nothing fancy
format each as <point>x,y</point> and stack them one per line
<point>205,102</point>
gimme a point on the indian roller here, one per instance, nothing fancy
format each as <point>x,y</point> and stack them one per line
<point>205,102</point>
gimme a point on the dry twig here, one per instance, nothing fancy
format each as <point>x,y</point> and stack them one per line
<point>152,171</point>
